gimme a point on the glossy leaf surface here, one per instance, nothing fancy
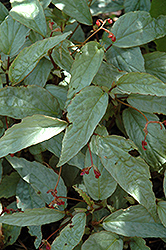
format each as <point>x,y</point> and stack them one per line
<point>30,131</point>
<point>33,55</point>
<point>31,14</point>
<point>135,5</point>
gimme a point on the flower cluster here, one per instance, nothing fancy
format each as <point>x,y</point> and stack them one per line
<point>56,200</point>
<point>95,169</point>
<point>110,34</point>
<point>144,143</point>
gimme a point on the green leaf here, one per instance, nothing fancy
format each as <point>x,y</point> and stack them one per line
<point>147,103</point>
<point>30,131</point>
<point>8,185</point>
<point>36,217</point>
<point>61,55</point>
<point>103,241</point>
<point>135,5</point>
<point>36,231</point>
<point>106,75</point>
<point>10,234</point>
<point>3,12</point>
<point>138,244</point>
<point>85,111</point>
<point>161,210</point>
<point>27,197</point>
<point>12,36</point>
<point>134,221</point>
<point>158,7</point>
<point>59,92</point>
<point>45,3</point>
<point>134,124</point>
<point>39,177</point>
<point>33,54</point>
<point>71,235</point>
<point>137,28</point>
<point>19,102</point>
<point>140,83</point>
<point>54,145</point>
<point>130,60</point>
<point>131,173</point>
<point>76,9</point>
<point>31,14</point>
<point>104,186</point>
<point>85,67</point>
<point>164,183</point>
<point>86,198</point>
<point>40,74</point>
<point>101,6</point>
<point>78,35</point>
<point>155,64</point>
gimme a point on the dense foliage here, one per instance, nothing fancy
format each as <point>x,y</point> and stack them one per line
<point>82,123</point>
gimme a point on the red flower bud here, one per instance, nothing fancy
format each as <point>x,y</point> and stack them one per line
<point>98,23</point>
<point>109,20</point>
<point>113,38</point>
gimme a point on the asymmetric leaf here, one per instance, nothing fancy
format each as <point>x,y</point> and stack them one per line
<point>76,9</point>
<point>134,123</point>
<point>12,36</point>
<point>103,241</point>
<point>30,131</point>
<point>23,65</point>
<point>155,64</point>
<point>136,28</point>
<point>19,102</point>
<point>85,67</point>
<point>39,177</point>
<point>147,103</point>
<point>71,235</point>
<point>131,173</point>
<point>130,60</point>
<point>36,217</point>
<point>134,221</point>
<point>140,83</point>
<point>104,186</point>
<point>85,111</point>
<point>31,14</point>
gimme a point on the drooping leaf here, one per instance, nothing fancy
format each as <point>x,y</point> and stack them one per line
<point>147,103</point>
<point>19,102</point>
<point>85,111</point>
<point>71,235</point>
<point>134,221</point>
<point>40,74</point>
<point>36,231</point>
<point>161,210</point>
<point>31,14</point>
<point>39,177</point>
<point>103,241</point>
<point>135,28</point>
<point>130,60</point>
<point>30,131</point>
<point>27,197</point>
<point>12,36</point>
<point>59,92</point>
<point>23,65</point>
<point>61,55</point>
<point>129,172</point>
<point>85,67</point>
<point>134,124</point>
<point>137,243</point>
<point>130,5</point>
<point>35,217</point>
<point>104,186</point>
<point>106,75</point>
<point>3,12</point>
<point>8,185</point>
<point>155,64</point>
<point>140,83</point>
<point>76,9</point>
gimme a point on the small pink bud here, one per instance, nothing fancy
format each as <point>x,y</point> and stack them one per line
<point>113,38</point>
<point>98,23</point>
<point>109,20</point>
<point>97,173</point>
